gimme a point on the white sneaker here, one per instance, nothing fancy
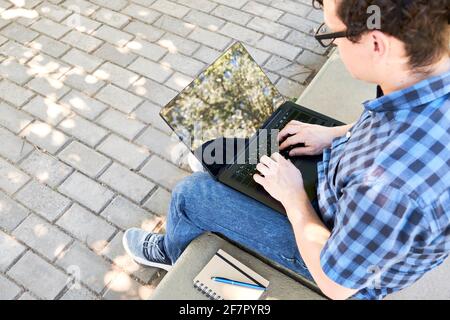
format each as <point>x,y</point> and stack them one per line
<point>146,248</point>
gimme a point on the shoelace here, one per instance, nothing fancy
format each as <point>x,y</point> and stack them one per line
<point>151,249</point>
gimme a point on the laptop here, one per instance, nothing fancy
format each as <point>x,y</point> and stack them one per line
<point>230,116</point>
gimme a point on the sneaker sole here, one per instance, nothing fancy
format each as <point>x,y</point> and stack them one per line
<point>145,262</point>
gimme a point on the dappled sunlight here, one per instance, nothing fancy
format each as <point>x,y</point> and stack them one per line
<point>15,177</point>
<point>99,245</point>
<point>43,130</point>
<point>43,176</point>
<point>40,230</point>
<point>139,87</point>
<point>18,3</point>
<point>182,82</point>
<point>41,66</point>
<point>118,281</point>
<point>19,13</point>
<point>121,286</point>
<point>169,45</point>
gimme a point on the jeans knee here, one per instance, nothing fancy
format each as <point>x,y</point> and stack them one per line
<point>190,184</point>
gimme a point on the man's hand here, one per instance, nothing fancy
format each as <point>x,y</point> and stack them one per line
<point>281,179</point>
<point>315,138</point>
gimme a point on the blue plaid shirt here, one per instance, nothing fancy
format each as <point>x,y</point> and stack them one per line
<point>384,191</point>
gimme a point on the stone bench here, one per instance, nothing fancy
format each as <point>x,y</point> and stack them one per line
<point>335,93</point>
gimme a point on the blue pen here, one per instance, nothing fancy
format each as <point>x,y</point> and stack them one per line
<point>238,283</point>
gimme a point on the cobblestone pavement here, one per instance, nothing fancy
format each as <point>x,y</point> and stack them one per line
<point>83,153</point>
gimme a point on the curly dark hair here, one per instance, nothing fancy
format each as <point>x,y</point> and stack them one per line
<point>422,25</point>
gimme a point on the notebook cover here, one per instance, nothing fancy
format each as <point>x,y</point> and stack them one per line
<point>230,269</point>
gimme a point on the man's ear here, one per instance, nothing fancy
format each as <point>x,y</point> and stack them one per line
<point>379,43</point>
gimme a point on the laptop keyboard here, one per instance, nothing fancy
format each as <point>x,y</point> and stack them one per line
<point>244,172</point>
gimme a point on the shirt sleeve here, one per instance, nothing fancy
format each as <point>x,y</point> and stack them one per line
<point>375,229</point>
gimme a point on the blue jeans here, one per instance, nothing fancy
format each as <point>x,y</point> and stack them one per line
<point>201,204</point>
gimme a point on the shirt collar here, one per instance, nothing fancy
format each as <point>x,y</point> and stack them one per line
<point>419,94</point>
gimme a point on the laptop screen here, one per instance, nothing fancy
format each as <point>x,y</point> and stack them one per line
<point>231,98</point>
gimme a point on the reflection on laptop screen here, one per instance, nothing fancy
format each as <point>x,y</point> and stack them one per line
<point>231,98</point>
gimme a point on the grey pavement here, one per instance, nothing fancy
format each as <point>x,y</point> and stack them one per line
<point>83,153</point>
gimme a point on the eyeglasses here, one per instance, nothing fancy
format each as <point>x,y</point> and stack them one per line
<point>326,38</point>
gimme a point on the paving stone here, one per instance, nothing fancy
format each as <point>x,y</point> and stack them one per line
<point>81,41</point>
<point>45,136</point>
<point>81,23</point>
<point>241,33</point>
<point>86,191</point>
<point>123,151</point>
<point>14,71</point>
<point>78,294</point>
<point>8,290</point>
<point>259,55</point>
<point>269,27</point>
<point>202,5</point>
<point>49,46</point>
<point>170,8</point>
<point>237,4</point>
<point>112,35</point>
<point>84,159</point>
<point>159,202</point>
<point>11,178</point>
<point>92,268</point>
<point>19,33</point>
<point>15,50</point>
<point>299,23</point>
<point>174,25</point>
<point>154,91</point>
<point>43,65</point>
<point>80,6</point>
<point>10,249</point>
<point>27,296</point>
<point>46,110</point>
<point>120,77</point>
<point>121,56</point>
<point>116,5</point>
<point>13,119</point>
<point>204,20</point>
<point>144,14</point>
<point>183,64</point>
<point>231,14</point>
<point>148,113</point>
<point>13,147</point>
<point>144,31</point>
<point>45,168</point>
<point>289,69</point>
<point>86,227</point>
<point>79,79</point>
<point>82,60</point>
<point>115,252</point>
<point>84,130</point>
<point>306,41</point>
<point>156,71</point>
<point>292,7</point>
<point>259,9</point>
<point>52,11</point>
<point>178,81</point>
<point>207,55</point>
<point>289,88</point>
<point>166,146</point>
<point>122,287</point>
<point>112,18</point>
<point>278,47</point>
<point>48,87</point>
<point>50,28</point>
<point>126,182</point>
<point>175,44</point>
<point>42,278</point>
<point>120,123</point>
<point>126,214</point>
<point>163,172</point>
<point>83,104</point>
<point>210,38</point>
<point>43,200</point>
<point>11,213</point>
<point>13,93</point>
<point>311,60</point>
<point>41,236</point>
<point>146,49</point>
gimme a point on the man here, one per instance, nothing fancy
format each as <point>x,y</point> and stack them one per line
<point>384,182</point>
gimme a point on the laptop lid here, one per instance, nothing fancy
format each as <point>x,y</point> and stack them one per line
<point>232,98</point>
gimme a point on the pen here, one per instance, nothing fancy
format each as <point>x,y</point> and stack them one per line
<point>238,283</point>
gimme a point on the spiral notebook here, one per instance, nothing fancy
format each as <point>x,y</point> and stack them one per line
<point>225,266</point>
